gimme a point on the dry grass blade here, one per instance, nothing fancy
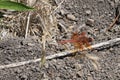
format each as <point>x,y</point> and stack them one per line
<point>95,64</point>
<point>28,23</point>
<point>92,57</point>
<point>43,51</point>
<point>43,59</point>
<point>49,24</point>
<point>94,60</point>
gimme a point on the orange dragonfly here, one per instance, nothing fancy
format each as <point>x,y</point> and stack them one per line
<point>79,41</point>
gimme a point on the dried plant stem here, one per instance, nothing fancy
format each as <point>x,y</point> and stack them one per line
<point>28,23</point>
<point>59,54</point>
<point>113,23</point>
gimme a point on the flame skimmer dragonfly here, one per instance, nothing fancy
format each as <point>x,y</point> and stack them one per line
<point>79,41</point>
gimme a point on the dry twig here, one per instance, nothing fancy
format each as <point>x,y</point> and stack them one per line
<point>113,23</point>
<point>59,54</point>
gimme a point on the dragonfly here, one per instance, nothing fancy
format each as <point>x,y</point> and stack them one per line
<point>79,41</point>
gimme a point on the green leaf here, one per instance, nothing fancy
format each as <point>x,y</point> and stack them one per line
<point>10,5</point>
<point>4,0</point>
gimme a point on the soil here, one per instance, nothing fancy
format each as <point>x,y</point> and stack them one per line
<point>91,16</point>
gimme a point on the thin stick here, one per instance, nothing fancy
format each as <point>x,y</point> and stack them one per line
<point>59,5</point>
<point>113,23</point>
<point>28,23</point>
<point>59,54</point>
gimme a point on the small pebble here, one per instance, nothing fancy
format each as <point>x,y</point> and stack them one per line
<point>90,78</point>
<point>95,51</point>
<point>71,17</point>
<point>84,6</point>
<point>111,49</point>
<point>88,12</point>
<point>112,3</point>
<point>57,78</point>
<point>78,66</point>
<point>90,22</point>
<point>30,44</point>
<point>18,71</point>
<point>46,65</point>
<point>46,79</point>
<point>101,1</point>
<point>116,1</point>
<point>23,77</point>
<point>119,64</point>
<point>62,12</point>
<point>79,74</point>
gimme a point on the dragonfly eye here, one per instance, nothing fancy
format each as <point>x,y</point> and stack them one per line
<point>90,39</point>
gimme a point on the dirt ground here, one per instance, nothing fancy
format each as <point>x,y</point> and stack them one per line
<point>91,16</point>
